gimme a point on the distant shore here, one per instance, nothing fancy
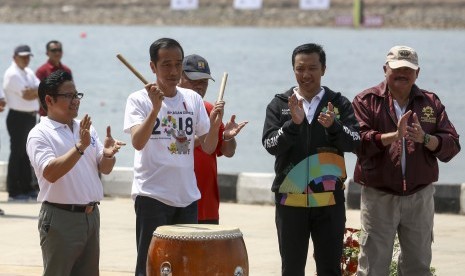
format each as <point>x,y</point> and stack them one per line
<point>425,14</point>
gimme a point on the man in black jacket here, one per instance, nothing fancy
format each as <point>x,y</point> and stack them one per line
<point>308,128</point>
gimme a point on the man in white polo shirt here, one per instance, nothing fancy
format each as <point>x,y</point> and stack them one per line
<point>20,87</point>
<point>67,156</point>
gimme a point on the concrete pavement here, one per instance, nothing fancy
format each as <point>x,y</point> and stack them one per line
<point>20,251</point>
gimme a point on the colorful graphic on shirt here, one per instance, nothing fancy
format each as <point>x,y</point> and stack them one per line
<point>181,143</point>
<point>168,123</point>
<point>176,126</point>
<point>312,181</point>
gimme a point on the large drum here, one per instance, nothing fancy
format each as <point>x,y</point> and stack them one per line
<point>197,249</point>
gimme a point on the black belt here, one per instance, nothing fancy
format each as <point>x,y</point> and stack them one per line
<point>32,113</point>
<point>88,208</point>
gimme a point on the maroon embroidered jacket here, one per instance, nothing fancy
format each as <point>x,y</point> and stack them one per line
<point>379,166</point>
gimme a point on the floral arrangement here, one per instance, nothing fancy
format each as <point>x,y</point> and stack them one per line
<point>351,249</point>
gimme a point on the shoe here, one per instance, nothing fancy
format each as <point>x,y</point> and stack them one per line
<point>2,212</point>
<point>18,198</point>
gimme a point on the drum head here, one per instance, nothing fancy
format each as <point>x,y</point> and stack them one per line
<point>197,232</point>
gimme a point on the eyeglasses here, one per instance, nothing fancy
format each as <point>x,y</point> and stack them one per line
<point>56,50</point>
<point>70,96</point>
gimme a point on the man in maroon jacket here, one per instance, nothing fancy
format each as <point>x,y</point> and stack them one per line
<point>404,130</point>
<point>54,50</point>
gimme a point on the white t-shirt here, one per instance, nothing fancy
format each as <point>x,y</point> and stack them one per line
<point>15,81</point>
<point>81,185</point>
<point>164,168</point>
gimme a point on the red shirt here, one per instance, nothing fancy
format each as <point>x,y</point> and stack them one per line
<point>206,172</point>
<point>44,71</point>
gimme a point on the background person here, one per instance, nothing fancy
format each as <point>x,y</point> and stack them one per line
<point>67,155</point>
<point>163,120</point>
<point>20,87</point>
<point>54,51</point>
<point>308,128</point>
<point>2,100</point>
<point>195,76</point>
<point>2,108</point>
<point>404,130</point>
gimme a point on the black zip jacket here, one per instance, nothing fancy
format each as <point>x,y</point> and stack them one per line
<point>309,158</point>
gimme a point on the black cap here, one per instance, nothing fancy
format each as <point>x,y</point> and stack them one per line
<point>23,50</point>
<point>196,67</point>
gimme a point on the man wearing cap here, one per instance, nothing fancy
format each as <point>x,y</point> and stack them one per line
<point>20,87</point>
<point>404,130</point>
<point>195,76</point>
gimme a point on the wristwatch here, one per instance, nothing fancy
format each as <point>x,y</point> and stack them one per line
<point>426,139</point>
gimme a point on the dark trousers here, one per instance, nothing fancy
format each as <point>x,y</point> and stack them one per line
<point>19,174</point>
<point>151,213</point>
<point>295,226</point>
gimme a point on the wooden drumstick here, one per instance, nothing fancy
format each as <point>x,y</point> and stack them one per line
<point>223,85</point>
<point>133,70</point>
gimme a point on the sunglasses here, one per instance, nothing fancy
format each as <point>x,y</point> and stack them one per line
<point>56,50</point>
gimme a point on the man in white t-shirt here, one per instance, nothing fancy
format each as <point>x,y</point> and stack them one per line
<point>163,120</point>
<point>67,156</point>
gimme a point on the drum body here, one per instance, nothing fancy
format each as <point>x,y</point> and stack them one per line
<point>197,249</point>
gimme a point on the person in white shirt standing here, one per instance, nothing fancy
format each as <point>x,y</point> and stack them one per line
<point>2,100</point>
<point>20,87</point>
<point>2,107</point>
<point>163,120</point>
<point>67,156</point>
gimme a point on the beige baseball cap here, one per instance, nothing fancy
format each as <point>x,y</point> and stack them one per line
<point>402,56</point>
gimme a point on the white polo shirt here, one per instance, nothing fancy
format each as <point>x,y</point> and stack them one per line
<point>50,139</point>
<point>164,168</point>
<point>15,80</point>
